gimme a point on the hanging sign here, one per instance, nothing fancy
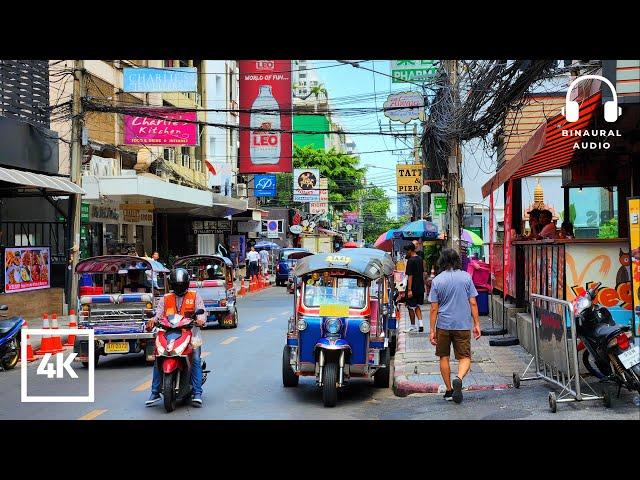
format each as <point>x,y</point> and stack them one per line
<point>409,178</point>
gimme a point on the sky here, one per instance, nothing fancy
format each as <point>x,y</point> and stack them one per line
<point>347,81</point>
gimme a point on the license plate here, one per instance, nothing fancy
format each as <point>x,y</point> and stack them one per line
<point>116,347</point>
<point>227,321</point>
<point>631,357</point>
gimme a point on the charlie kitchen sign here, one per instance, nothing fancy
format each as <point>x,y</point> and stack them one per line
<point>161,127</point>
<point>211,226</point>
<point>141,214</point>
<point>409,178</point>
<point>413,70</point>
<point>161,80</point>
<point>404,107</point>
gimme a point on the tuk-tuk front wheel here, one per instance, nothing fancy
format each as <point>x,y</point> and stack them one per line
<point>330,384</point>
<point>289,377</point>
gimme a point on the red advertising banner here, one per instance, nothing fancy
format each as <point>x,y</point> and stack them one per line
<point>161,127</point>
<point>507,238</point>
<point>26,268</point>
<point>265,116</point>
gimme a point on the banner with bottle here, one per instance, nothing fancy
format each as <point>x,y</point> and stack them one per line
<point>265,116</point>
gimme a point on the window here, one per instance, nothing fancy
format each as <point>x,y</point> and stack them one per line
<point>594,212</point>
<point>342,291</point>
<point>168,63</point>
<point>183,63</point>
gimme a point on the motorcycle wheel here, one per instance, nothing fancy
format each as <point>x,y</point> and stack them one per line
<point>329,384</point>
<point>9,363</point>
<point>289,377</point>
<point>593,370</point>
<point>169,391</point>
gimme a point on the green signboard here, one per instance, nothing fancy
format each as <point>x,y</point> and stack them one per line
<point>439,204</point>
<point>84,213</point>
<point>413,70</point>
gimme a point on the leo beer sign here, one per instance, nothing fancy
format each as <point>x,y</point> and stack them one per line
<point>265,116</point>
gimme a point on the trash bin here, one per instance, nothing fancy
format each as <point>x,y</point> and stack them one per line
<point>483,302</point>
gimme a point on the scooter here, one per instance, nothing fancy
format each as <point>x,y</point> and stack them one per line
<point>615,356</point>
<point>9,339</point>
<point>174,355</point>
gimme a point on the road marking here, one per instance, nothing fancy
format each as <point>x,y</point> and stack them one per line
<point>286,312</point>
<point>270,319</point>
<point>252,329</point>
<point>229,340</point>
<point>92,414</point>
<point>142,387</point>
<point>205,354</point>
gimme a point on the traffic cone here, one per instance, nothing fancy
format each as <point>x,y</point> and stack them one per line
<point>243,290</point>
<point>73,323</point>
<point>30,356</point>
<point>50,343</point>
<point>252,284</point>
<point>57,339</point>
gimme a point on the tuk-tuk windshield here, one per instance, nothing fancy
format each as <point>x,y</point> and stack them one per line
<point>335,290</point>
<point>124,281</point>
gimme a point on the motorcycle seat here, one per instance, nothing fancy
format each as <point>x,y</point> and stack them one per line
<point>7,324</point>
<point>606,331</point>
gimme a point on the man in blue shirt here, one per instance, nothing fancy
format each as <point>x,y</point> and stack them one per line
<point>453,304</point>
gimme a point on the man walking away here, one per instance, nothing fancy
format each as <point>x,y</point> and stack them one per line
<point>264,262</point>
<point>453,303</point>
<point>415,287</point>
<point>253,258</point>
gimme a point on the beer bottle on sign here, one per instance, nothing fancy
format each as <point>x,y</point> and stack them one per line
<point>265,145</point>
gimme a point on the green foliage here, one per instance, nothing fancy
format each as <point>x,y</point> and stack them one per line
<point>609,229</point>
<point>572,214</point>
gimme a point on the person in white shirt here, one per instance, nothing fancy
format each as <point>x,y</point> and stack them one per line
<point>264,261</point>
<point>253,257</point>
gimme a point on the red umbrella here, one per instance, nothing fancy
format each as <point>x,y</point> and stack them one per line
<point>350,245</point>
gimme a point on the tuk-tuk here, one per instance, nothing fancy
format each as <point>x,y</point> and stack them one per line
<point>116,295</point>
<point>212,277</point>
<point>339,329</point>
<point>291,260</point>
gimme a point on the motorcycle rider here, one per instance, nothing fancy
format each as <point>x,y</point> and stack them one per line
<point>181,301</point>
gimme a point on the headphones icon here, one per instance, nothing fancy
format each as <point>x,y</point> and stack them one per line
<point>611,109</point>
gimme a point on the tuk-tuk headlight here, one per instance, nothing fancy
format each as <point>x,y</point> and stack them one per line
<point>332,326</point>
<point>302,324</point>
<point>149,306</point>
<point>365,327</point>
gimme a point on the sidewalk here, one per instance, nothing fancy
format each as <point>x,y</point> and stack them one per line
<point>417,368</point>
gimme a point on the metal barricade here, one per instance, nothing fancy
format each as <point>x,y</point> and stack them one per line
<point>555,351</point>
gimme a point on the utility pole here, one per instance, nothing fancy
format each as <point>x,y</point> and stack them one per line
<point>454,161</point>
<point>416,161</point>
<point>79,88</point>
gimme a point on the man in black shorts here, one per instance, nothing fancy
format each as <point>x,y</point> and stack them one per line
<point>415,287</point>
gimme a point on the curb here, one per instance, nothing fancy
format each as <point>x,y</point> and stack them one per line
<point>403,387</point>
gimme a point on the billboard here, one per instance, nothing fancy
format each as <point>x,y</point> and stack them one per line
<point>306,185</point>
<point>176,79</point>
<point>404,107</point>
<point>264,185</point>
<point>409,178</point>
<point>161,127</point>
<point>26,268</point>
<point>634,251</point>
<point>265,116</point>
<point>413,70</point>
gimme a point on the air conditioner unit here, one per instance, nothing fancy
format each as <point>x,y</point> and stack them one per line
<point>241,190</point>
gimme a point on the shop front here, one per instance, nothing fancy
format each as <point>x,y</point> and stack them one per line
<point>598,184</point>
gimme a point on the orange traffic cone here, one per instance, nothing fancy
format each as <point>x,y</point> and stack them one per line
<point>50,343</point>
<point>243,290</point>
<point>73,323</point>
<point>30,356</point>
<point>252,284</point>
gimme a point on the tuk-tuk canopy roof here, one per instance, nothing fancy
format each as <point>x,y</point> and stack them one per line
<point>359,261</point>
<point>115,263</point>
<point>384,257</point>
<point>298,254</point>
<point>205,259</point>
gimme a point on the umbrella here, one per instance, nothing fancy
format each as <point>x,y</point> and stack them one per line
<point>267,245</point>
<point>418,229</point>
<point>471,237</point>
<point>385,241</point>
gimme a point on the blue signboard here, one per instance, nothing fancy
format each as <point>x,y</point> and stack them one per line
<point>264,185</point>
<point>175,79</point>
<point>404,205</point>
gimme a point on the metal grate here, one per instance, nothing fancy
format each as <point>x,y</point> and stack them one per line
<point>39,234</point>
<point>24,91</point>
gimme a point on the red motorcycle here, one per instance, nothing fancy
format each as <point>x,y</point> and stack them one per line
<point>174,356</point>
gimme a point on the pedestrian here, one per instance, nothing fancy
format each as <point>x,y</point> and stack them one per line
<point>264,261</point>
<point>415,287</point>
<point>548,228</point>
<point>534,223</point>
<point>453,305</point>
<point>253,258</point>
<point>566,230</point>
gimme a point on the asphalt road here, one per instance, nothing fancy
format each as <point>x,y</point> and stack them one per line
<point>245,383</point>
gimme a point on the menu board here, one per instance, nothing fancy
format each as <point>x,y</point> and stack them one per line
<point>26,268</point>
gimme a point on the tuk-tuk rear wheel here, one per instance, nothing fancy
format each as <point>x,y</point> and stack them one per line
<point>289,378</point>
<point>329,384</point>
<point>96,359</point>
<point>381,377</point>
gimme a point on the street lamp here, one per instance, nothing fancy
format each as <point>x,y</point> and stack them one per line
<point>424,189</point>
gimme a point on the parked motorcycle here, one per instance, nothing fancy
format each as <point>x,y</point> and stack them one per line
<point>609,350</point>
<point>9,339</point>
<point>174,355</point>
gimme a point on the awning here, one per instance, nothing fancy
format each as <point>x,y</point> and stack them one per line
<point>547,149</point>
<point>330,232</point>
<point>51,184</point>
